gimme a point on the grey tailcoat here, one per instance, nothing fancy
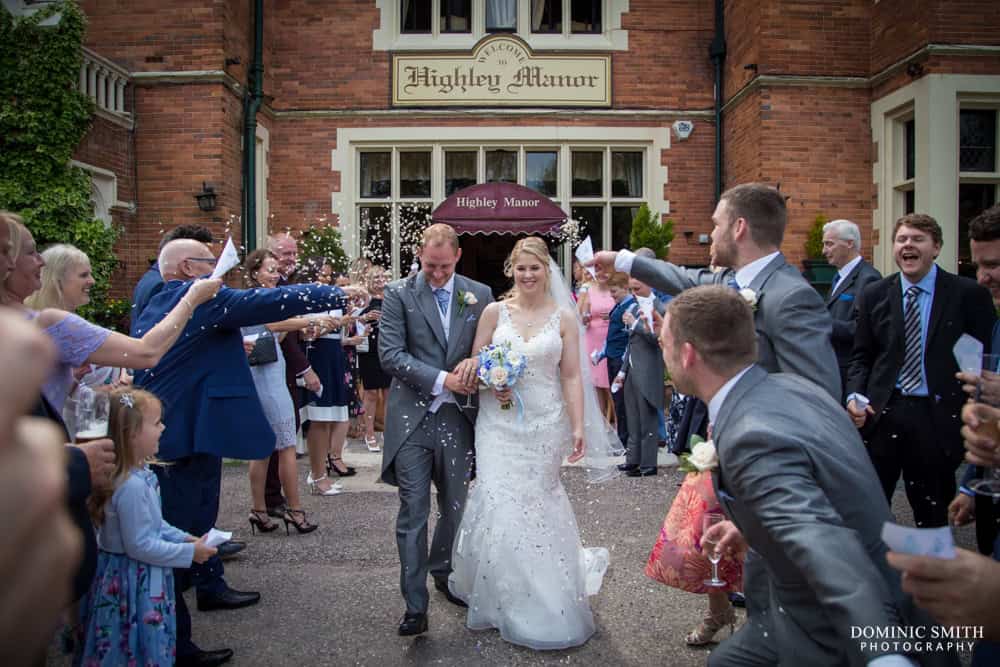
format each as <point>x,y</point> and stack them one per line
<point>795,479</point>
<point>644,370</point>
<point>413,350</point>
<point>793,325</point>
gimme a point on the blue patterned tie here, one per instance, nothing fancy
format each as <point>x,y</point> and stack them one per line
<point>911,377</point>
<point>442,295</point>
<point>732,283</point>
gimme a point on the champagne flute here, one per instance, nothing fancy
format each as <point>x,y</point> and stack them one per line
<point>714,555</point>
<point>989,484</point>
<point>91,416</point>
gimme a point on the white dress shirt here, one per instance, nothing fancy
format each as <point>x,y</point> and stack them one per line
<point>745,276</point>
<point>715,403</point>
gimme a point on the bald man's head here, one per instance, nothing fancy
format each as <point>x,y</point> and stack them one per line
<point>185,259</point>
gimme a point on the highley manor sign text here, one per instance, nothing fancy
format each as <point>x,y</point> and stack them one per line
<point>501,71</point>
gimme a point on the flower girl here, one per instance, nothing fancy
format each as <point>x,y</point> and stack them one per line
<point>128,616</point>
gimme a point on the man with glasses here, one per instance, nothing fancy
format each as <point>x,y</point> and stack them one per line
<point>151,282</point>
<point>212,411</point>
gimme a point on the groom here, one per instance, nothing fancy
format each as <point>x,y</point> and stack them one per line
<point>425,339</point>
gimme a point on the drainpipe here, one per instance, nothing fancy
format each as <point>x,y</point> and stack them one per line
<point>717,52</point>
<point>251,105</point>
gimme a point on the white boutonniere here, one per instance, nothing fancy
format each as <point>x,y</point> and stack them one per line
<point>702,457</point>
<point>465,299</point>
<point>750,297</point>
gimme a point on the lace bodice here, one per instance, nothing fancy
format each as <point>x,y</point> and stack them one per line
<point>540,388</point>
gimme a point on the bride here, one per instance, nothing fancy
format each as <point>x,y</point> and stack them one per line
<point>518,561</point>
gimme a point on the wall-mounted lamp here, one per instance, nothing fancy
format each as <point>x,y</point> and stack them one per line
<point>915,69</point>
<point>206,198</point>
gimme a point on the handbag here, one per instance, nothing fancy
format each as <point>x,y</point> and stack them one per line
<point>265,351</point>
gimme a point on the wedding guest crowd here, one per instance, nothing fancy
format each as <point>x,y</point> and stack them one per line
<point>224,372</point>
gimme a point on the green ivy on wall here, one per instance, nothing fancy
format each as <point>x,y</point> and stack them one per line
<point>43,118</point>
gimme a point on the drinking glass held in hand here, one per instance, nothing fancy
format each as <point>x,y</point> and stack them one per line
<point>989,484</point>
<point>713,553</point>
<point>90,416</point>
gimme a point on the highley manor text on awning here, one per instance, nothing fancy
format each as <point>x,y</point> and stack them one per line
<point>526,77</point>
<point>483,202</point>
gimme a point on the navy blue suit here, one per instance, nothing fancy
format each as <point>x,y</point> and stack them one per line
<point>148,286</point>
<point>614,350</point>
<point>211,409</point>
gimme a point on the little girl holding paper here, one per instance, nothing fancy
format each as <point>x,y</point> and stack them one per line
<point>128,615</point>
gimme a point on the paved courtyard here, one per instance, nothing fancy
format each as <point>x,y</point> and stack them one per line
<point>332,598</point>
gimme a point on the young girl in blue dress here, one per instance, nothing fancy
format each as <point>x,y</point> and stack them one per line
<point>128,615</point>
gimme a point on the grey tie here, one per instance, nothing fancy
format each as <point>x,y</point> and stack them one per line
<point>911,377</point>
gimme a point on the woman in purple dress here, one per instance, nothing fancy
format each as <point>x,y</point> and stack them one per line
<point>77,340</point>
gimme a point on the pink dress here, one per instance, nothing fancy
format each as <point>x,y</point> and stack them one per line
<point>601,304</point>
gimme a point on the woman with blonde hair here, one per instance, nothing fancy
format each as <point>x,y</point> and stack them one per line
<point>77,340</point>
<point>66,279</point>
<point>518,560</point>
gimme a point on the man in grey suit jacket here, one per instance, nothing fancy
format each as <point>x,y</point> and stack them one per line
<point>793,326</point>
<point>425,338</point>
<point>795,481</point>
<point>842,248</point>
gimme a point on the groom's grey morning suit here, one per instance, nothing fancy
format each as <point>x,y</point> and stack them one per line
<point>795,479</point>
<point>428,436</point>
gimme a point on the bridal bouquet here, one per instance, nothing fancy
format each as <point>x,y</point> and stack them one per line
<point>500,367</point>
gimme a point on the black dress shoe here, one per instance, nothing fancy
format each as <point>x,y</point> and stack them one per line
<point>442,585</point>
<point>628,467</point>
<point>641,472</point>
<point>205,658</point>
<point>230,548</point>
<point>738,600</point>
<point>413,624</point>
<point>228,599</point>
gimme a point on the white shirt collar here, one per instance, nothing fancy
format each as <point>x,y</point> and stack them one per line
<point>846,269</point>
<point>746,275</point>
<point>715,404</point>
<point>449,286</point>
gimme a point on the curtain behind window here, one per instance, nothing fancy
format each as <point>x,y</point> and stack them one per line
<point>501,14</point>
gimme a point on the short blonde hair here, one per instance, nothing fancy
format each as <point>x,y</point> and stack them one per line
<point>59,261</point>
<point>618,279</point>
<point>439,233</point>
<point>15,225</point>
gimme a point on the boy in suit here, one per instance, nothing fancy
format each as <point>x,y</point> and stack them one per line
<point>615,344</point>
<point>641,380</point>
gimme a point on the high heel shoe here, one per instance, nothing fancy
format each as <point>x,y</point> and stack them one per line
<point>259,521</point>
<point>315,489</point>
<point>710,626</point>
<point>331,468</point>
<point>372,444</point>
<point>302,525</point>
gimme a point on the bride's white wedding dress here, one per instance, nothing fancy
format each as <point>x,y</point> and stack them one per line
<point>518,561</point>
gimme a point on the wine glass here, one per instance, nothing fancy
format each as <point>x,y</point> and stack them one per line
<point>714,555</point>
<point>989,484</point>
<point>91,416</point>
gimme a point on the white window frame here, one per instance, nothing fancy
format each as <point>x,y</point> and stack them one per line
<point>103,191</point>
<point>388,36</point>
<point>351,142</point>
<point>935,100</point>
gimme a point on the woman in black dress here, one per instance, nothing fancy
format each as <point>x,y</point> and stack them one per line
<point>373,378</point>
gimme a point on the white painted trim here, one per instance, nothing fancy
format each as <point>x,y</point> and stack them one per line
<point>343,159</point>
<point>936,102</point>
<point>386,36</point>
<point>263,168</point>
<point>106,184</point>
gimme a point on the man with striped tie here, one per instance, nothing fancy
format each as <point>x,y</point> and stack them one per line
<point>901,387</point>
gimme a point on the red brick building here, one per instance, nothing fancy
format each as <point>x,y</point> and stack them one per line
<point>860,109</point>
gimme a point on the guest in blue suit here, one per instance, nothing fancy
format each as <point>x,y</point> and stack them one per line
<point>152,282</point>
<point>212,410</point>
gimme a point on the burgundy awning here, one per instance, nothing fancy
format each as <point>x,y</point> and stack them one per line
<point>500,208</point>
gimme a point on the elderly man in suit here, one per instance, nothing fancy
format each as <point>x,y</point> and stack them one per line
<point>211,410</point>
<point>794,481</point>
<point>793,327</point>
<point>901,386</point>
<point>842,248</point>
<point>425,339</point>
